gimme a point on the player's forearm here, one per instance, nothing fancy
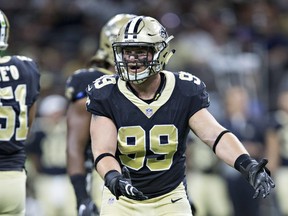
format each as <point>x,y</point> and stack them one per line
<point>76,145</point>
<point>75,158</point>
<point>75,165</point>
<point>229,148</point>
<point>106,164</point>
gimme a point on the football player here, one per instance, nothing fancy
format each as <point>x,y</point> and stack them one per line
<point>139,125</point>
<point>19,90</point>
<point>80,158</point>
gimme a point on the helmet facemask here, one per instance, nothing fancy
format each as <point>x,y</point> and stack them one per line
<point>146,62</point>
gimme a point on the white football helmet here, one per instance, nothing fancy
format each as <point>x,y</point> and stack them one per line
<point>4,31</point>
<point>108,35</point>
<point>142,32</point>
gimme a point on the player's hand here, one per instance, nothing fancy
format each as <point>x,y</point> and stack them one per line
<point>121,185</point>
<point>87,208</point>
<point>259,177</point>
<point>126,188</point>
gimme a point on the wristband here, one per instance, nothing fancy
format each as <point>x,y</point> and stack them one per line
<point>79,184</point>
<point>109,176</point>
<point>242,161</point>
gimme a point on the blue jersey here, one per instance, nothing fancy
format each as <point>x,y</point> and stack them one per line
<point>151,137</point>
<point>19,89</point>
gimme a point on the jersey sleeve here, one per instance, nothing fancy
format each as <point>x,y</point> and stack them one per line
<point>200,100</point>
<point>31,75</point>
<point>35,82</point>
<point>195,90</point>
<point>76,85</point>
<point>98,94</point>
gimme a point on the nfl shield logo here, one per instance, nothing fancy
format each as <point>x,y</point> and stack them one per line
<point>149,112</point>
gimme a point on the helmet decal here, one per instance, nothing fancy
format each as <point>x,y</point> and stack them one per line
<point>163,33</point>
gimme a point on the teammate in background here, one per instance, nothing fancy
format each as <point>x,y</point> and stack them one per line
<point>80,158</point>
<point>19,89</point>
<point>250,131</point>
<point>203,173</point>
<point>46,150</point>
<point>277,145</point>
<point>139,125</point>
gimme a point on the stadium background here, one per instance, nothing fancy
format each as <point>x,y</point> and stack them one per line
<point>222,42</point>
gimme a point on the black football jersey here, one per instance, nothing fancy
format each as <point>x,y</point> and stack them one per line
<point>19,88</point>
<point>77,83</point>
<point>151,137</point>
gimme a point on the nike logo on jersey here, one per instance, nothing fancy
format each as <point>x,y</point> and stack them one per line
<point>175,200</point>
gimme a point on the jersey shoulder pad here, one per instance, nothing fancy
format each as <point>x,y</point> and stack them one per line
<point>100,95</point>
<point>27,67</point>
<point>26,62</point>
<point>189,84</point>
<point>102,87</point>
<point>78,81</point>
<point>77,75</point>
<point>28,74</point>
<point>192,87</point>
<point>23,58</point>
<point>86,75</point>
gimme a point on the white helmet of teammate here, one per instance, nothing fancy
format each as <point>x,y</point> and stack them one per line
<point>108,35</point>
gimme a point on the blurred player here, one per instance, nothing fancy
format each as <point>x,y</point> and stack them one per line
<point>140,121</point>
<point>46,151</point>
<point>80,158</point>
<point>19,89</point>
<point>277,145</point>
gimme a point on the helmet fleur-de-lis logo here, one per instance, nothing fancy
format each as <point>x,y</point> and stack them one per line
<point>163,33</point>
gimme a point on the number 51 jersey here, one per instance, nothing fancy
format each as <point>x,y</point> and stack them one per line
<point>19,89</point>
<point>151,137</point>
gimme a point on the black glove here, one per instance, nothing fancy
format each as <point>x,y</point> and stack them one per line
<point>256,174</point>
<point>87,208</point>
<point>121,185</point>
